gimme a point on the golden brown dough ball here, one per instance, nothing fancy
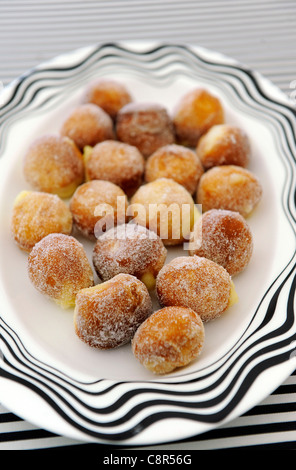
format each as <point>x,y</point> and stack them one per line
<point>130,249</point>
<point>147,126</point>
<point>197,111</point>
<point>109,94</point>
<point>95,200</point>
<point>197,283</point>
<point>166,208</point>
<point>88,124</point>
<point>36,215</point>
<point>224,237</point>
<point>229,187</point>
<point>54,164</point>
<point>117,162</point>
<point>175,162</point>
<point>171,337</point>
<point>224,144</point>
<point>107,315</point>
<point>58,268</point>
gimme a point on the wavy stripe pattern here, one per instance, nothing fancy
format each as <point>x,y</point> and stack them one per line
<point>212,395</point>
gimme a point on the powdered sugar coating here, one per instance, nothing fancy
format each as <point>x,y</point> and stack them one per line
<point>88,124</point>
<point>196,112</point>
<point>58,268</point>
<point>54,164</point>
<point>147,126</point>
<point>35,215</point>
<point>197,283</point>
<point>88,197</point>
<point>131,249</point>
<point>171,337</point>
<point>107,315</point>
<point>117,162</point>
<point>224,144</point>
<point>165,207</point>
<point>229,187</point>
<point>110,95</point>
<point>224,237</point>
<point>176,162</point>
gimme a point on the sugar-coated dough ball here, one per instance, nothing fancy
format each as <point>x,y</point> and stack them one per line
<point>93,202</point>
<point>224,144</point>
<point>170,338</point>
<point>107,315</point>
<point>224,237</point>
<point>58,268</point>
<point>130,249</point>
<point>176,162</point>
<point>165,207</point>
<point>229,187</point>
<point>147,126</point>
<point>54,164</point>
<point>88,124</point>
<point>196,112</point>
<point>114,161</point>
<point>109,94</point>
<point>35,215</point>
<point>197,283</point>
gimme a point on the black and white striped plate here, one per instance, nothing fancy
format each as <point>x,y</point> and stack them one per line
<point>47,375</point>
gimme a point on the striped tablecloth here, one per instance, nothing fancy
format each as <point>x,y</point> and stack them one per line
<point>259,33</point>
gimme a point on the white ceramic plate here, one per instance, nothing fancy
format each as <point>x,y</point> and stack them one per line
<point>47,375</point>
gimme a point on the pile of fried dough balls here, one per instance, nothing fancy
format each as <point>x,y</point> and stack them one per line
<point>112,148</point>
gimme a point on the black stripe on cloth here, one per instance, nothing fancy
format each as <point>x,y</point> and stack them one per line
<point>8,418</point>
<point>26,434</point>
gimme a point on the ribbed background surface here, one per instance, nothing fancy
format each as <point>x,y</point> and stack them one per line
<point>261,34</point>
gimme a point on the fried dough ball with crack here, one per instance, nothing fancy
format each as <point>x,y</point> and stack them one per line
<point>93,202</point>
<point>108,94</point>
<point>88,124</point>
<point>120,163</point>
<point>35,215</point>
<point>229,187</point>
<point>175,162</point>
<point>224,144</point>
<point>54,164</point>
<point>147,126</point>
<point>170,338</point>
<point>197,111</point>
<point>165,207</point>
<point>107,315</point>
<point>224,237</point>
<point>59,268</point>
<point>130,249</point>
<point>197,283</point>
